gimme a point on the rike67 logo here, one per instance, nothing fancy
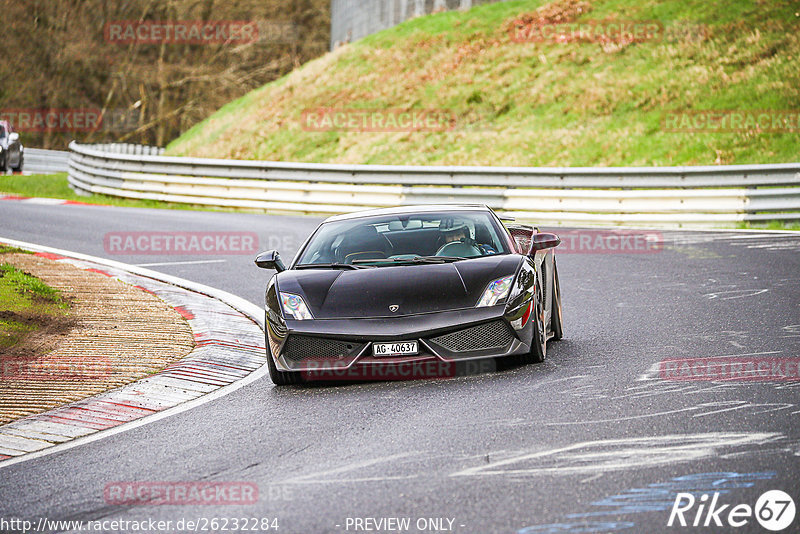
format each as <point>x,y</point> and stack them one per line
<point>774,510</point>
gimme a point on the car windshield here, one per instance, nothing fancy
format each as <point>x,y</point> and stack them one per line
<point>406,238</point>
<point>2,132</point>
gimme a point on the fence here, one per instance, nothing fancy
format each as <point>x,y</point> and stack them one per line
<point>652,196</point>
<point>353,19</point>
<point>40,161</point>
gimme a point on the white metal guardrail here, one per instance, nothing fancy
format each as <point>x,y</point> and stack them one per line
<point>661,196</point>
<point>41,161</point>
<point>44,161</point>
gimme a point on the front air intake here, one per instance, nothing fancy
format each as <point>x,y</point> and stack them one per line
<point>300,348</point>
<point>493,335</point>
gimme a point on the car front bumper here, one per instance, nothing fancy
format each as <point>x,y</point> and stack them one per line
<point>342,348</point>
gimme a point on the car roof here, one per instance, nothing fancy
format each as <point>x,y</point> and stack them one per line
<point>405,210</point>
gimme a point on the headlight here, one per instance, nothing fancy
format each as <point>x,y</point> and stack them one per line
<point>496,291</point>
<point>295,307</point>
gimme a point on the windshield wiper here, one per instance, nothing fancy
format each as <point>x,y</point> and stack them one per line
<point>439,259</point>
<point>415,259</point>
<point>328,266</point>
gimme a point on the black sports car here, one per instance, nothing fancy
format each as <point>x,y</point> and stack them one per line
<point>410,292</point>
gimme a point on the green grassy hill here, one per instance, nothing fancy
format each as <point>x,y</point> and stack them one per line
<point>539,104</point>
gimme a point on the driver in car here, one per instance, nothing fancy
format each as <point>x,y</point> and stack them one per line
<point>461,233</point>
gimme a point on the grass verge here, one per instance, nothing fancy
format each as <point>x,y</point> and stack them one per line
<point>56,186</point>
<point>26,303</point>
<point>533,103</point>
<point>772,225</point>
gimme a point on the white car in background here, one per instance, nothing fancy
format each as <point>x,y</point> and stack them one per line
<point>12,153</point>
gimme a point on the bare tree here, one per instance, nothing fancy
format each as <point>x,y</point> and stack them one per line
<point>58,56</point>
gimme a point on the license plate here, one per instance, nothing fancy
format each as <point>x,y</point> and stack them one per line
<point>403,348</point>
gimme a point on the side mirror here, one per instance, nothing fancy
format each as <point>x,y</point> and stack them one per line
<point>13,137</point>
<point>270,259</point>
<point>544,240</point>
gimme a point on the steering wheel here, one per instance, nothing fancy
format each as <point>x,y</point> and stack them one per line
<point>458,249</point>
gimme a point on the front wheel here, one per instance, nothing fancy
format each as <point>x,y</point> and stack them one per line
<point>556,323</point>
<point>281,378</point>
<point>18,168</point>
<point>539,341</point>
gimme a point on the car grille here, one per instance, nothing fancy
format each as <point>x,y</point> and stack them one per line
<point>491,335</point>
<point>302,348</point>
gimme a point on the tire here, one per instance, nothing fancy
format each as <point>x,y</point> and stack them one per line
<point>556,319</point>
<point>18,168</point>
<point>281,378</point>
<point>538,350</point>
<point>4,165</point>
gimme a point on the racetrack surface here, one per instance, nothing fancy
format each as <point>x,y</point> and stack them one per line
<point>594,436</point>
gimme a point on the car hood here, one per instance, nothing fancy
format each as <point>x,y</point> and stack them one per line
<point>414,289</point>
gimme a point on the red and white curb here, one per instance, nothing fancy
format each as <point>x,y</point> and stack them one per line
<point>229,352</point>
<point>45,201</point>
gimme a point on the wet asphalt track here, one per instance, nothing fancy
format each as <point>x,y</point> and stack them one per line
<point>592,440</point>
